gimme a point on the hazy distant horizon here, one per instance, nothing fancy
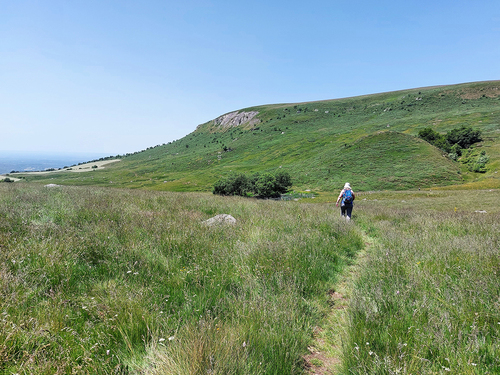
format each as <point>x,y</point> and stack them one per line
<point>26,161</point>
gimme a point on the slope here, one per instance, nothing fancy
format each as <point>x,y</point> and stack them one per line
<point>369,140</point>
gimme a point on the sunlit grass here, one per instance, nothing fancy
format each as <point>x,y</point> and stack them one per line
<point>370,141</point>
<point>427,301</point>
<point>109,281</point>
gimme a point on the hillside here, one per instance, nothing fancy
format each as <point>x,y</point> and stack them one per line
<point>369,141</point>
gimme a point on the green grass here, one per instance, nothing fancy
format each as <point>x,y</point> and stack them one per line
<point>96,280</point>
<point>426,301</point>
<point>322,144</point>
<point>105,281</point>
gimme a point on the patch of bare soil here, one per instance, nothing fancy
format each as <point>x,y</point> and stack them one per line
<point>489,92</point>
<point>87,167</point>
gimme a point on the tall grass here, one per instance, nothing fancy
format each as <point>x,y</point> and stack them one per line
<point>104,281</point>
<point>428,300</point>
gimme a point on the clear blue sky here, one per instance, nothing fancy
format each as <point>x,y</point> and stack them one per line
<point>120,76</point>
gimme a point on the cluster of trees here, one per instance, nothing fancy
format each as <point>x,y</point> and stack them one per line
<point>454,141</point>
<point>457,143</point>
<point>265,185</point>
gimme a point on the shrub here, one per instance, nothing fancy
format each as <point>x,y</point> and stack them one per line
<point>454,141</point>
<point>476,162</point>
<point>479,164</point>
<point>270,185</point>
<point>266,185</point>
<point>456,149</point>
<point>434,138</point>
<point>463,136</point>
<point>234,184</point>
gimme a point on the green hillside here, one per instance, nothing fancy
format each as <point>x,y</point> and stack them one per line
<point>370,141</point>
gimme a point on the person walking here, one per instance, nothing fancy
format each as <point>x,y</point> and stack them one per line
<point>346,198</point>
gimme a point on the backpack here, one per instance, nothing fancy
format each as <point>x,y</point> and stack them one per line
<point>348,197</point>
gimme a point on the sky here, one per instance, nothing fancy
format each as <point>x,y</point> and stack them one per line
<point>113,77</point>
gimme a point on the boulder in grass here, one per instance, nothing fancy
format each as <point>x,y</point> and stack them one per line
<point>52,185</point>
<point>222,219</point>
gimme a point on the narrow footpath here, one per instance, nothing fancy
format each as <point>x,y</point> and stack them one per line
<point>325,357</point>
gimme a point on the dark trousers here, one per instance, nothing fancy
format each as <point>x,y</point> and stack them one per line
<point>346,210</point>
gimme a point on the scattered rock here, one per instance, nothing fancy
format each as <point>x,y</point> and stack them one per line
<point>481,212</point>
<point>52,185</point>
<point>222,219</point>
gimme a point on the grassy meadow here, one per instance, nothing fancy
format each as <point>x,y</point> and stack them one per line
<point>98,279</point>
<point>427,299</point>
<point>370,141</point>
<point>108,281</point>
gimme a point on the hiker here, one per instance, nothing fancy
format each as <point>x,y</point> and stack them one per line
<point>347,196</point>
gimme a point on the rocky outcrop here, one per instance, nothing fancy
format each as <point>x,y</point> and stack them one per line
<point>236,118</point>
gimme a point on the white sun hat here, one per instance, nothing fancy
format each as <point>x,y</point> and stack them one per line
<point>347,186</point>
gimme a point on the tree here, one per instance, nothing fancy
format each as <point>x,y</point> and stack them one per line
<point>266,185</point>
<point>454,141</point>
<point>270,185</point>
<point>434,138</point>
<point>463,136</point>
<point>235,184</point>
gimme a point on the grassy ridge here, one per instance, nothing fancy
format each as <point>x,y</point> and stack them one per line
<point>427,299</point>
<point>312,141</point>
<point>105,281</point>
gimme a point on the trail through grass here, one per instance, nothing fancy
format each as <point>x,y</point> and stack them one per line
<point>427,300</point>
<point>97,281</point>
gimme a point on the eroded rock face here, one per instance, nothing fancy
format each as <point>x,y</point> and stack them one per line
<point>234,119</point>
<point>223,219</point>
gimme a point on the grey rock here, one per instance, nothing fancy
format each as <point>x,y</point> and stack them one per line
<point>222,219</point>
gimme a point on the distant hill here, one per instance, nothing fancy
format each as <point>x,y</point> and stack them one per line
<point>370,141</point>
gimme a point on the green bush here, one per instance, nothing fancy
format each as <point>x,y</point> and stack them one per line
<point>475,161</point>
<point>454,141</point>
<point>434,138</point>
<point>266,185</point>
<point>235,184</point>
<point>463,136</point>
<point>270,185</point>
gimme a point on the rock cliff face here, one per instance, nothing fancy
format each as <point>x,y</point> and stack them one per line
<point>236,119</point>
<point>233,119</point>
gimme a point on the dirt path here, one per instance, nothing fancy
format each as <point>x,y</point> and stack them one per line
<point>325,356</point>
